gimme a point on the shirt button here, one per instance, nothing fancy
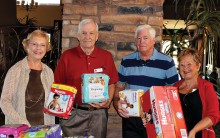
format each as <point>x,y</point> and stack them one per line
<point>88,63</point>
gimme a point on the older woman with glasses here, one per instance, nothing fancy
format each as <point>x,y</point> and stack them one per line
<point>27,84</point>
<point>198,98</point>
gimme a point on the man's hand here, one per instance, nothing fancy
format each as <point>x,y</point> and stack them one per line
<point>122,111</point>
<point>103,104</point>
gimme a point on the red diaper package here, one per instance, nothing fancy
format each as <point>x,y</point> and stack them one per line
<point>176,112</point>
<point>60,100</point>
<point>12,130</point>
<point>163,103</point>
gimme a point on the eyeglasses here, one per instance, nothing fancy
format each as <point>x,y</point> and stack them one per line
<point>34,44</point>
<point>186,65</point>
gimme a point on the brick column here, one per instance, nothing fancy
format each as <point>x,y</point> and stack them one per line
<point>117,21</point>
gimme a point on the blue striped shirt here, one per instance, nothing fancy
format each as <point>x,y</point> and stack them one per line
<point>136,73</point>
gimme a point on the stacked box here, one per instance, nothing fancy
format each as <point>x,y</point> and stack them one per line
<point>163,103</point>
<point>132,99</point>
<point>94,87</point>
<point>42,131</point>
<point>60,100</point>
<point>12,130</point>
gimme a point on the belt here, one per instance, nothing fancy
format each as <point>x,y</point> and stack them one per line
<point>86,108</point>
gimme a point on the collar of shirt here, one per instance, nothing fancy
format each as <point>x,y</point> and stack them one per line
<point>152,57</point>
<point>25,64</point>
<point>82,54</point>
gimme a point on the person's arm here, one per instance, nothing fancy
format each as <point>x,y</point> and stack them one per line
<point>203,124</point>
<point>119,87</point>
<point>118,103</point>
<point>6,100</point>
<point>211,101</point>
<point>212,108</point>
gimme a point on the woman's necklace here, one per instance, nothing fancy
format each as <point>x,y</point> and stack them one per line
<point>185,100</point>
<point>34,101</point>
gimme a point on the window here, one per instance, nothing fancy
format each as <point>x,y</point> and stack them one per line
<point>166,44</point>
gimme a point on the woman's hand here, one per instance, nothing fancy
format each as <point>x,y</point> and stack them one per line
<point>192,134</point>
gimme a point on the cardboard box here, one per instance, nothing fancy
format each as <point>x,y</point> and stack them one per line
<point>132,99</point>
<point>176,112</point>
<point>163,103</point>
<point>60,100</point>
<point>12,130</point>
<point>94,87</point>
<point>155,101</point>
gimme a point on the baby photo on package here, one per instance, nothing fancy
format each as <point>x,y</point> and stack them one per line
<point>58,103</point>
<point>132,101</point>
<point>60,100</point>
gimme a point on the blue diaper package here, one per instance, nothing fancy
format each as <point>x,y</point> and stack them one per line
<point>94,87</point>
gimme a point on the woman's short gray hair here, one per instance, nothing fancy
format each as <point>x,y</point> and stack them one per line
<point>86,21</point>
<point>37,33</point>
<point>151,30</point>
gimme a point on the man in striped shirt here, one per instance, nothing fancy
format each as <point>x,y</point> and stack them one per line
<point>140,70</point>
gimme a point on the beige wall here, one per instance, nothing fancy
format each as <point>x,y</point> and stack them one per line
<point>45,15</point>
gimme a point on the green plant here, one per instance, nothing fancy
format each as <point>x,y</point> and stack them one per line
<point>201,31</point>
<point>205,20</point>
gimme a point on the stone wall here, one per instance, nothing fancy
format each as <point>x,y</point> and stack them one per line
<point>117,21</point>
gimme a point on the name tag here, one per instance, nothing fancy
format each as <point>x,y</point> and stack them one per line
<point>98,70</point>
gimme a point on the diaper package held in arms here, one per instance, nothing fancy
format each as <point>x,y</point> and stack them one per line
<point>163,105</point>
<point>12,130</point>
<point>60,100</point>
<point>155,102</point>
<point>94,87</point>
<point>42,131</point>
<point>132,99</point>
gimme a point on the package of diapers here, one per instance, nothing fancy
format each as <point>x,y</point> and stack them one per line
<point>12,130</point>
<point>94,87</point>
<point>163,105</point>
<point>60,100</point>
<point>132,99</point>
<point>42,131</point>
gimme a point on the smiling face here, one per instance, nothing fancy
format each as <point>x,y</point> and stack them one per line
<point>188,67</point>
<point>36,48</point>
<point>88,35</point>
